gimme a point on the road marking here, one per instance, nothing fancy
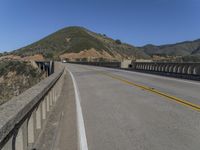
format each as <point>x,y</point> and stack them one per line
<point>152,90</point>
<point>152,75</point>
<point>170,97</point>
<point>162,77</point>
<point>80,122</point>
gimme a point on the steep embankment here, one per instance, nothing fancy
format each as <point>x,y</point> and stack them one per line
<point>16,77</point>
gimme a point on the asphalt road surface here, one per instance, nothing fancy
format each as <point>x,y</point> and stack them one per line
<point>120,114</point>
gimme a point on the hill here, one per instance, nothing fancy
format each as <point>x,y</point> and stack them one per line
<point>80,43</point>
<point>179,49</point>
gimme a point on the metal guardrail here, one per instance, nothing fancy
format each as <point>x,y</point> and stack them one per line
<point>23,118</point>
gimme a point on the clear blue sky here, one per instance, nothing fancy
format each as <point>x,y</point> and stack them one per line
<point>137,22</point>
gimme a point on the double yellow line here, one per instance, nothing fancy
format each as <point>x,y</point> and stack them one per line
<point>152,90</point>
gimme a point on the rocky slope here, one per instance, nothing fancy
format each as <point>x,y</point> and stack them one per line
<point>16,77</point>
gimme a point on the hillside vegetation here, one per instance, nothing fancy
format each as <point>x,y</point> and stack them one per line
<point>76,40</point>
<point>78,43</point>
<point>16,77</point>
<point>178,49</point>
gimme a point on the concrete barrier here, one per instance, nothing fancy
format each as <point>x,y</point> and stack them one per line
<point>102,64</point>
<point>23,117</point>
<point>179,70</point>
<point>183,70</point>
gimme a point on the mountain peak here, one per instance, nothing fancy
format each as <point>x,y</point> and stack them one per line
<point>76,40</point>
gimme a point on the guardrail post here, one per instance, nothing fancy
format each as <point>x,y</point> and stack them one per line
<point>53,100</point>
<point>48,102</point>
<point>31,128</point>
<point>57,91</point>
<point>50,98</point>
<point>44,108</point>
<point>39,117</point>
<point>54,95</point>
<point>21,142</point>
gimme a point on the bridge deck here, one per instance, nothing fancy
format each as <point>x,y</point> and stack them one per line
<point>124,110</point>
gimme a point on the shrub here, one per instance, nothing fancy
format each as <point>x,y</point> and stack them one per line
<point>118,41</point>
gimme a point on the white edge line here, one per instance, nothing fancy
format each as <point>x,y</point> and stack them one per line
<point>80,122</point>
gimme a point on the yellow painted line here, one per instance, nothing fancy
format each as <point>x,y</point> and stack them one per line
<point>170,97</point>
<point>152,90</point>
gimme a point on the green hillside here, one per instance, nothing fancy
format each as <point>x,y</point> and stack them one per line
<point>178,49</point>
<point>77,39</point>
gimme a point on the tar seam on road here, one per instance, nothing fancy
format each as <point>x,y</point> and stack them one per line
<point>80,122</point>
<point>152,90</point>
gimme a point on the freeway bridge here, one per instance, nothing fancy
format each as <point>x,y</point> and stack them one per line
<point>96,108</point>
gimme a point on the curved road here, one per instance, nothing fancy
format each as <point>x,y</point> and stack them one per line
<point>120,114</point>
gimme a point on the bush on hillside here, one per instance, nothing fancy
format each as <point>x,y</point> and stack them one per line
<point>118,41</point>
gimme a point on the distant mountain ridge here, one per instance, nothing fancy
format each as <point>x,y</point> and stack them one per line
<point>178,49</point>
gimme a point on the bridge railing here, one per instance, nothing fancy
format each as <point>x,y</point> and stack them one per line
<point>184,70</point>
<point>102,64</point>
<point>23,117</point>
<point>178,68</point>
